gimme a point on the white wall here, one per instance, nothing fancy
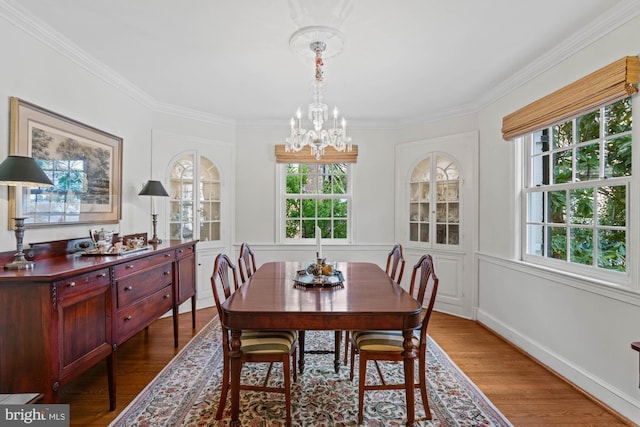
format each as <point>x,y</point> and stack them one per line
<point>46,74</point>
<point>35,72</point>
<point>570,324</point>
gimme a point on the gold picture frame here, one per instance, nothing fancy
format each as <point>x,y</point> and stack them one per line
<point>84,163</point>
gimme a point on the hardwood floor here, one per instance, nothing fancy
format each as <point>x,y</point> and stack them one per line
<point>524,391</point>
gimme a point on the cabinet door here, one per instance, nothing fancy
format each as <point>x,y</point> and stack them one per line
<point>84,322</point>
<point>186,266</point>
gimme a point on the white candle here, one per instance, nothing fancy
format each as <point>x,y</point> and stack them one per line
<point>18,201</point>
<point>318,243</point>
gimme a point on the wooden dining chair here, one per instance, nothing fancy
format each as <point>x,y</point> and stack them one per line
<point>394,269</point>
<point>246,262</point>
<point>395,264</point>
<point>388,345</point>
<point>257,346</point>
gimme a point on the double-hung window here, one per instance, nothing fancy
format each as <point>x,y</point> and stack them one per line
<point>576,192</point>
<point>578,213</point>
<point>315,195</point>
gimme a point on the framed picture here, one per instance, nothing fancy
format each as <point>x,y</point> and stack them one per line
<point>84,164</point>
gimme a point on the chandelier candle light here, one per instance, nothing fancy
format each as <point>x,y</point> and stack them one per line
<point>318,138</point>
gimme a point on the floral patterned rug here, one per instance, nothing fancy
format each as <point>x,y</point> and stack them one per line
<point>187,390</point>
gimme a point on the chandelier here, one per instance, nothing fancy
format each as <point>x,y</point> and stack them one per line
<point>318,138</point>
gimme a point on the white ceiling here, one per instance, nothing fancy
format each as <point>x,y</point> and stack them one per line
<point>403,61</point>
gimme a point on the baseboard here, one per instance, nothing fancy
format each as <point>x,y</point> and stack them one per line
<point>609,397</point>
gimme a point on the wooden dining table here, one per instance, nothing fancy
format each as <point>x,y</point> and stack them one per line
<point>366,299</point>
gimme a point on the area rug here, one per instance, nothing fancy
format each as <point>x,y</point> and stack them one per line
<point>187,390</point>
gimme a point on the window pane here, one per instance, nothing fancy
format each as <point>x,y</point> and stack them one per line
<point>325,228</point>
<point>618,160</point>
<point>324,208</point>
<point>581,206</point>
<point>413,232</point>
<point>536,207</point>
<point>308,208</point>
<point>612,251</point>
<point>424,233</point>
<point>340,208</point>
<point>612,206</point>
<point>618,117</point>
<point>581,246</point>
<point>292,229</point>
<point>292,209</point>
<point>563,134</point>
<point>588,162</point>
<point>562,167</point>
<point>557,206</point>
<point>340,229</point>
<point>293,184</point>
<point>589,126</point>
<point>339,184</point>
<point>422,171</point>
<point>558,243</point>
<point>308,229</point>
<point>535,240</point>
<point>441,233</point>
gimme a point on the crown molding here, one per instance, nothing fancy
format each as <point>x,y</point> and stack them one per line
<point>615,17</point>
<point>16,15</point>
<point>19,17</point>
<point>626,10</point>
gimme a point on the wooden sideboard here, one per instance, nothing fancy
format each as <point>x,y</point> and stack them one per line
<point>71,311</point>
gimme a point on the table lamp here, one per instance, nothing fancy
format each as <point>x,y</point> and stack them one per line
<point>153,188</point>
<point>19,171</point>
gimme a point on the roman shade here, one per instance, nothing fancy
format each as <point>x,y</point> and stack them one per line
<point>331,155</point>
<point>604,86</point>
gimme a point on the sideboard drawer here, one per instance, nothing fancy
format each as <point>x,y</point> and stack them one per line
<point>185,251</point>
<point>134,266</point>
<point>132,319</point>
<point>134,287</point>
<point>82,282</point>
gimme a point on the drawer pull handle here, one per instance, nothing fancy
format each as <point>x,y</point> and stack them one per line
<point>167,296</point>
<point>130,266</point>
<point>71,285</point>
<point>128,288</point>
<point>166,273</point>
<point>167,255</point>
<point>126,319</point>
<point>102,275</point>
<point>180,251</point>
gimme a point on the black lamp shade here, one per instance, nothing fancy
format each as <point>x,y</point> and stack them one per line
<point>19,170</point>
<point>153,188</point>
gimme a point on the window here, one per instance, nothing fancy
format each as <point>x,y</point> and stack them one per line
<point>316,195</point>
<point>576,192</point>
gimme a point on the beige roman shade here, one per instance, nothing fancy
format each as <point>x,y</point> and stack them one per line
<point>331,155</point>
<point>604,86</point>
